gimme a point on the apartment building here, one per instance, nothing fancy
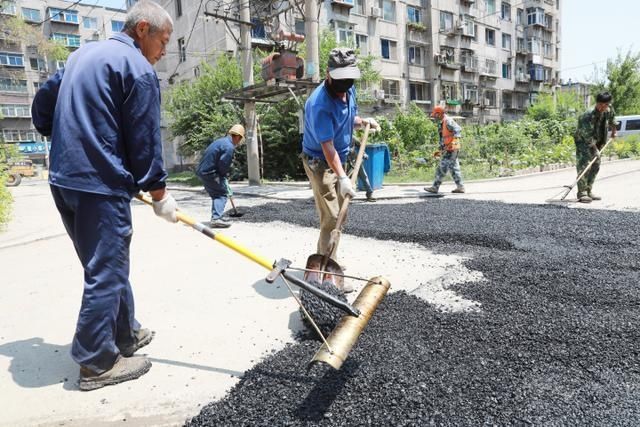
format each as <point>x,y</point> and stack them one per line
<point>23,69</point>
<point>486,60</point>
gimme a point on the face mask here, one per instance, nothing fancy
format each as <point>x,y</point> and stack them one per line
<point>341,86</point>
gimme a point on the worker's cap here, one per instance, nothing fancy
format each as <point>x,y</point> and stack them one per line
<point>342,64</point>
<point>237,130</point>
<point>604,97</point>
<point>437,109</point>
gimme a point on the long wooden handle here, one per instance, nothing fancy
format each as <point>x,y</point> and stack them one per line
<point>586,169</point>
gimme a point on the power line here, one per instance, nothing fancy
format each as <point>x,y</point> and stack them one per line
<point>61,10</point>
<point>195,21</point>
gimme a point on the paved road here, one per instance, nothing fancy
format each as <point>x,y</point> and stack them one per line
<point>214,315</point>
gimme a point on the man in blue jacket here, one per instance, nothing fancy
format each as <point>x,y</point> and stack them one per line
<point>213,169</point>
<point>102,113</point>
<point>330,116</point>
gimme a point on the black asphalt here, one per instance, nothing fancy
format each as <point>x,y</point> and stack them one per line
<point>556,341</point>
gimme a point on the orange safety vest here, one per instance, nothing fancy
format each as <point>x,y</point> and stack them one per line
<point>449,140</point>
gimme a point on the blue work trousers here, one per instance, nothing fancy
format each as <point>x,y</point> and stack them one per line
<point>100,228</point>
<point>214,185</point>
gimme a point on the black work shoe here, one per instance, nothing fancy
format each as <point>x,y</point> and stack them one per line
<point>143,337</point>
<point>370,198</point>
<point>433,189</point>
<point>125,369</point>
<point>583,198</point>
<point>220,223</point>
<point>459,189</point>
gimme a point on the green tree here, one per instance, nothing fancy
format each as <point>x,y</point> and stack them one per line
<point>196,108</point>
<point>622,82</point>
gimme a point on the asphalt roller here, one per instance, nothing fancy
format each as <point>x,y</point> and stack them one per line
<point>336,347</point>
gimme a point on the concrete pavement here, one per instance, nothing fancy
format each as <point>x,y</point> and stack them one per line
<point>214,315</point>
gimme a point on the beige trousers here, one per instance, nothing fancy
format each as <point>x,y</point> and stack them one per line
<point>324,183</point>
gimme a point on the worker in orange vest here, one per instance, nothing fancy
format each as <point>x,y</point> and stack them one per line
<point>449,132</point>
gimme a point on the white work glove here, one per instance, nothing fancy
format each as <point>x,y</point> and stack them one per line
<point>166,208</point>
<point>344,186</point>
<point>375,127</point>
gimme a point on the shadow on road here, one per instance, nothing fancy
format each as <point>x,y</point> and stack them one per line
<point>35,363</point>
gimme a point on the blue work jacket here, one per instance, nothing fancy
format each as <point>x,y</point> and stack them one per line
<point>103,115</point>
<point>217,158</point>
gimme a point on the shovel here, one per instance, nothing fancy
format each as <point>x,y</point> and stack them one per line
<point>564,193</point>
<point>236,213</point>
<point>334,351</point>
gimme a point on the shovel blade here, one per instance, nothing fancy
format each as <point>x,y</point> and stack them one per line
<point>315,262</point>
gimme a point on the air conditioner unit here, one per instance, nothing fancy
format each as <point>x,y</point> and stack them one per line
<point>378,94</point>
<point>376,12</point>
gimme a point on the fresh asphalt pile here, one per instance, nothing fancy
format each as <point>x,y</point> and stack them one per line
<point>556,341</point>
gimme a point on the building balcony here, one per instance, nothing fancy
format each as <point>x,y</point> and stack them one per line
<point>447,62</point>
<point>421,37</point>
<point>416,26</point>
<point>522,78</point>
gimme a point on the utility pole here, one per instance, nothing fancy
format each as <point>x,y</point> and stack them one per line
<point>312,69</point>
<point>253,164</point>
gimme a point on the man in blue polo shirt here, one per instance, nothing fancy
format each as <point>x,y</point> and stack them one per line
<point>330,116</point>
<point>103,115</point>
<point>213,169</point>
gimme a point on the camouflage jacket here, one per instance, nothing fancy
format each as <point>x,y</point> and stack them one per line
<point>594,126</point>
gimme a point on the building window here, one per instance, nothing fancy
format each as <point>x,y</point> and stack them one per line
<point>60,65</point>
<point>490,98</point>
<point>11,59</point>
<point>470,94</point>
<point>418,91</point>
<point>37,64</point>
<point>469,28</point>
<point>491,7</point>
<point>362,43</point>
<point>16,110</point>
<point>536,72</point>
<point>359,7</point>
<point>10,85</point>
<point>8,8</point>
<point>490,36</point>
<point>416,55</point>
<point>388,49</point>
<point>505,11</point>
<point>506,71</point>
<point>388,10</point>
<point>414,15</point>
<point>490,66</point>
<point>299,26</point>
<point>344,33</point>
<point>69,40</point>
<point>448,91</point>
<point>521,47</point>
<point>258,31</point>
<point>116,26</point>
<point>37,86</point>
<point>548,50</point>
<point>446,21</point>
<point>178,8</point>
<point>31,15</point>
<point>90,23</point>
<point>391,89</point>
<point>520,17</point>
<point>60,15</point>
<point>535,15</point>
<point>506,41</point>
<point>534,46</point>
<point>548,22</point>
<point>18,135</point>
<point>182,50</point>
<point>507,100</point>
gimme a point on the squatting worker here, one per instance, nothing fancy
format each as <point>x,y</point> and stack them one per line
<point>103,115</point>
<point>591,136</point>
<point>213,170</point>
<point>449,144</point>
<point>330,115</point>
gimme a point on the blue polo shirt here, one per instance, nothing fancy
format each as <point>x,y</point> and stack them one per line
<point>217,158</point>
<point>326,118</point>
<point>103,115</point>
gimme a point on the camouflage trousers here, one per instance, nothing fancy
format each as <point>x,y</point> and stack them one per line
<point>448,162</point>
<point>584,155</point>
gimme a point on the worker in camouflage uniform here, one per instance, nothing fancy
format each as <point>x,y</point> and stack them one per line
<point>590,137</point>
<point>449,132</point>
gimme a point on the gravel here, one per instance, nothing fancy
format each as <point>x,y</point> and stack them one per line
<point>325,316</point>
<point>555,342</point>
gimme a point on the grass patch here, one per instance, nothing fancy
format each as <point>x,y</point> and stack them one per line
<point>185,178</point>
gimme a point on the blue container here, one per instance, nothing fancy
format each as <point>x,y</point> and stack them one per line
<point>378,163</point>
